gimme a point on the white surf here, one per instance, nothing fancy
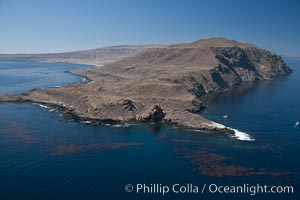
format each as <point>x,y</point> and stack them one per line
<point>237,134</point>
<point>43,106</point>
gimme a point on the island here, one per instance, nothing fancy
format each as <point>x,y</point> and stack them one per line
<point>154,83</point>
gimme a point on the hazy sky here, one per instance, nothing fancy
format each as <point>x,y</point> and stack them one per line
<point>28,26</point>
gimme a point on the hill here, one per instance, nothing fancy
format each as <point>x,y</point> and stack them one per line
<point>98,56</point>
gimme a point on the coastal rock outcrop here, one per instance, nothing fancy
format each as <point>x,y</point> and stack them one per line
<point>128,105</point>
<point>155,115</point>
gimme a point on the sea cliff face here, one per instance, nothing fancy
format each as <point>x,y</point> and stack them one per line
<point>162,84</point>
<point>237,65</point>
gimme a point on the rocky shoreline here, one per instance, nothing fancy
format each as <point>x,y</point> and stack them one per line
<point>154,117</point>
<point>160,85</point>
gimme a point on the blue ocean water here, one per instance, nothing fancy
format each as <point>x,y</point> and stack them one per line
<point>44,156</point>
<point>18,77</point>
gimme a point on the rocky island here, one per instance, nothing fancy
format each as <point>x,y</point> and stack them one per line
<point>159,83</point>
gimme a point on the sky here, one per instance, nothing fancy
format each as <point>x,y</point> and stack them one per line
<point>40,26</point>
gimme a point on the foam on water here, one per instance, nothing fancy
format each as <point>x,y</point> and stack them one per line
<point>241,135</point>
<point>237,134</point>
<point>86,122</point>
<point>43,106</point>
<point>118,125</point>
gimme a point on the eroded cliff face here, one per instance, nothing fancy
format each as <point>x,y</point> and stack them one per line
<point>161,84</point>
<point>237,65</point>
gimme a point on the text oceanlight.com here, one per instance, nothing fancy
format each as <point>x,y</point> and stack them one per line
<point>157,188</point>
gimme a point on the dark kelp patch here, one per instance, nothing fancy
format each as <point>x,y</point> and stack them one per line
<point>78,148</point>
<point>216,165</point>
<point>18,133</point>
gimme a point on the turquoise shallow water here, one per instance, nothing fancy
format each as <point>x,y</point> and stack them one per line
<point>44,156</point>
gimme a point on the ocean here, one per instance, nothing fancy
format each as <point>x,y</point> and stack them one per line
<point>44,156</point>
